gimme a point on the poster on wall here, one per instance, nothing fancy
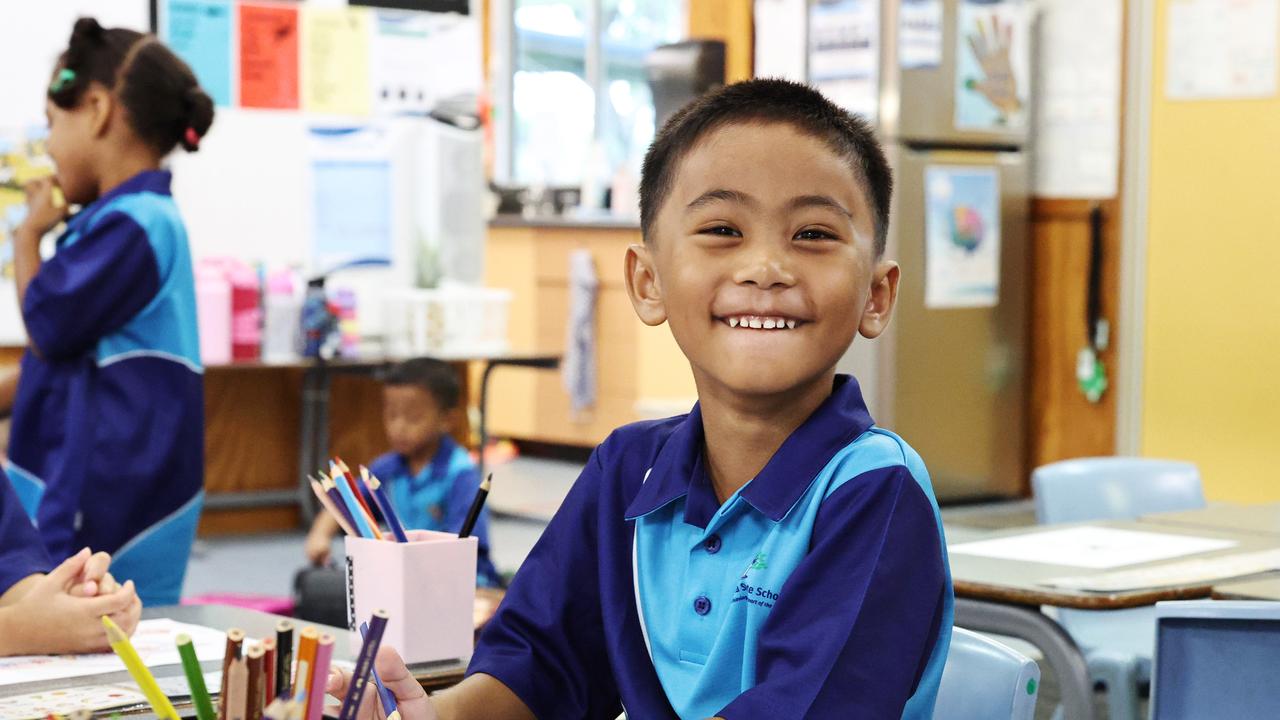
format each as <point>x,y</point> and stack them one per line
<point>351,195</point>
<point>1220,49</point>
<point>406,49</point>
<point>844,53</point>
<point>199,31</point>
<point>993,64</point>
<point>269,56</point>
<point>962,236</point>
<point>920,34</point>
<point>335,60</point>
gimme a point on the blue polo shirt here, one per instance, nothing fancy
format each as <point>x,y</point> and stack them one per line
<point>438,497</point>
<point>21,552</point>
<point>107,445</point>
<point>821,589</point>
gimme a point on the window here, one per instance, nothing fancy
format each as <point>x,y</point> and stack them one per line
<point>579,102</point>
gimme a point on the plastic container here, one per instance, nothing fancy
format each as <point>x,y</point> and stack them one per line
<point>246,312</point>
<point>454,320</point>
<point>282,317</point>
<point>427,586</point>
<point>213,313</point>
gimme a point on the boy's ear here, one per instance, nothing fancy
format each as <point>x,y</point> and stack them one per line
<point>643,286</point>
<point>884,293</point>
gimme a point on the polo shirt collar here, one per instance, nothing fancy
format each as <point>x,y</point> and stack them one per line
<point>679,469</point>
<point>154,181</point>
<point>437,467</point>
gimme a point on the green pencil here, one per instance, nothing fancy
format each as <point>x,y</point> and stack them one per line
<point>195,678</point>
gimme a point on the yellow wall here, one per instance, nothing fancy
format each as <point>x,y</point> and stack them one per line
<point>1212,353</point>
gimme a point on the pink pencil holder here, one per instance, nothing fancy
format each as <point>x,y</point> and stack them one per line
<point>427,586</point>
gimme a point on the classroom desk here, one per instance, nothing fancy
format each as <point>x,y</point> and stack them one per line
<point>1262,519</point>
<point>432,676</point>
<point>1265,587</point>
<point>313,445</point>
<point>1004,597</point>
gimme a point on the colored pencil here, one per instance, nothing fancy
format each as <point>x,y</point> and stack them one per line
<point>284,657</point>
<point>384,504</point>
<point>237,699</point>
<point>119,642</point>
<point>268,669</point>
<point>329,507</point>
<point>319,678</point>
<point>338,506</point>
<point>353,506</point>
<point>195,678</point>
<point>235,641</point>
<point>364,664</point>
<point>473,514</point>
<point>345,472</point>
<point>388,698</point>
<point>306,660</point>
<point>253,696</point>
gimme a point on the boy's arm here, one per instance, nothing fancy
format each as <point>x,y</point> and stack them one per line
<point>319,541</point>
<point>855,623</point>
<point>39,615</point>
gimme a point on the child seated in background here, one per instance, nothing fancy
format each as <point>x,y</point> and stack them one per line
<point>429,476</point>
<point>44,609</point>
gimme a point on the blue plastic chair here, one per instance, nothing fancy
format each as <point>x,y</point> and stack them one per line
<point>985,680</point>
<point>1216,659</point>
<point>1117,643</point>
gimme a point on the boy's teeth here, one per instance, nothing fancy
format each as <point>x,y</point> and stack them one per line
<point>768,323</point>
<point>756,324</point>
<point>733,322</point>
<point>761,323</point>
<point>791,324</point>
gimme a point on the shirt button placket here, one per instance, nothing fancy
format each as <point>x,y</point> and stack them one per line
<point>712,544</point>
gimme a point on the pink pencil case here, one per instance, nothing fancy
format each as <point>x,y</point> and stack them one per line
<point>427,586</point>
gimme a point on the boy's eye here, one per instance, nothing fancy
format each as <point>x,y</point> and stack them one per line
<point>814,234</point>
<point>721,230</point>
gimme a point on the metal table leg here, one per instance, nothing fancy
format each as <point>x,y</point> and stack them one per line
<point>1060,652</point>
<point>549,362</point>
<point>313,436</point>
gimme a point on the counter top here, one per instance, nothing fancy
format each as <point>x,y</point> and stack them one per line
<point>597,222</point>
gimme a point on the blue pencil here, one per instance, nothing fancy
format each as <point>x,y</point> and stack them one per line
<point>388,697</point>
<point>384,504</point>
<point>364,665</point>
<point>353,506</point>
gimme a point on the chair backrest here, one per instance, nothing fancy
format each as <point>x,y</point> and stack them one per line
<point>1216,659</point>
<point>985,680</point>
<point>1113,488</point>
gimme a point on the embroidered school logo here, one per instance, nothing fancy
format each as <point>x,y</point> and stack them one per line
<point>760,562</point>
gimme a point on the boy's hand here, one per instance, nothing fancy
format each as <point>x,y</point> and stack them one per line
<point>94,579</point>
<point>412,700</point>
<point>318,546</point>
<point>50,619</point>
<point>45,208</point>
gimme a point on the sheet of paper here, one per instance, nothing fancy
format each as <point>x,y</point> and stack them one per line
<point>781,51</point>
<point>962,236</point>
<point>269,56</point>
<point>993,64</point>
<point>1219,49</point>
<point>351,194</point>
<point>410,52</point>
<point>920,34</point>
<point>153,639</point>
<point>199,31</point>
<point>844,54</point>
<point>335,60</point>
<point>1089,546</point>
<point>40,705</point>
<point>1077,126</point>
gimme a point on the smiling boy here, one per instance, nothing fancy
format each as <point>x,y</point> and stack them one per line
<point>772,553</point>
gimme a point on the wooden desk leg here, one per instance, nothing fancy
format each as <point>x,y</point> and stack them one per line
<point>1060,652</point>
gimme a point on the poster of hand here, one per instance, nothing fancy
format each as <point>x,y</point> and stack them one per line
<point>992,65</point>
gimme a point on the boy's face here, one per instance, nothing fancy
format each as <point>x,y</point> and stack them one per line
<point>764,225</point>
<point>413,419</point>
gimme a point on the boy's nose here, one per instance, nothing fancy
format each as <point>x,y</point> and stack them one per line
<point>765,269</point>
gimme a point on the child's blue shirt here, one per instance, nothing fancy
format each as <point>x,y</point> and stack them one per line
<point>820,589</point>
<point>107,445</point>
<point>438,497</point>
<point>21,552</point>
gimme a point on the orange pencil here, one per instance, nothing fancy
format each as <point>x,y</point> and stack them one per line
<point>306,661</point>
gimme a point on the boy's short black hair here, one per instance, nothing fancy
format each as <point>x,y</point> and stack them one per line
<point>165,104</point>
<point>767,100</point>
<point>434,376</point>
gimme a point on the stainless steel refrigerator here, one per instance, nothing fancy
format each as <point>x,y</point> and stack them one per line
<point>950,375</point>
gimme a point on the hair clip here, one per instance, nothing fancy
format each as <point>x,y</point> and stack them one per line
<point>192,137</point>
<point>65,77</point>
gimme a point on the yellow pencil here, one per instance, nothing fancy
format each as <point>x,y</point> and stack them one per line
<point>160,704</point>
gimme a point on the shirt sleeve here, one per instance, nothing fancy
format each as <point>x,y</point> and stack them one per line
<point>21,552</point>
<point>546,643</point>
<point>855,624</point>
<point>91,287</point>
